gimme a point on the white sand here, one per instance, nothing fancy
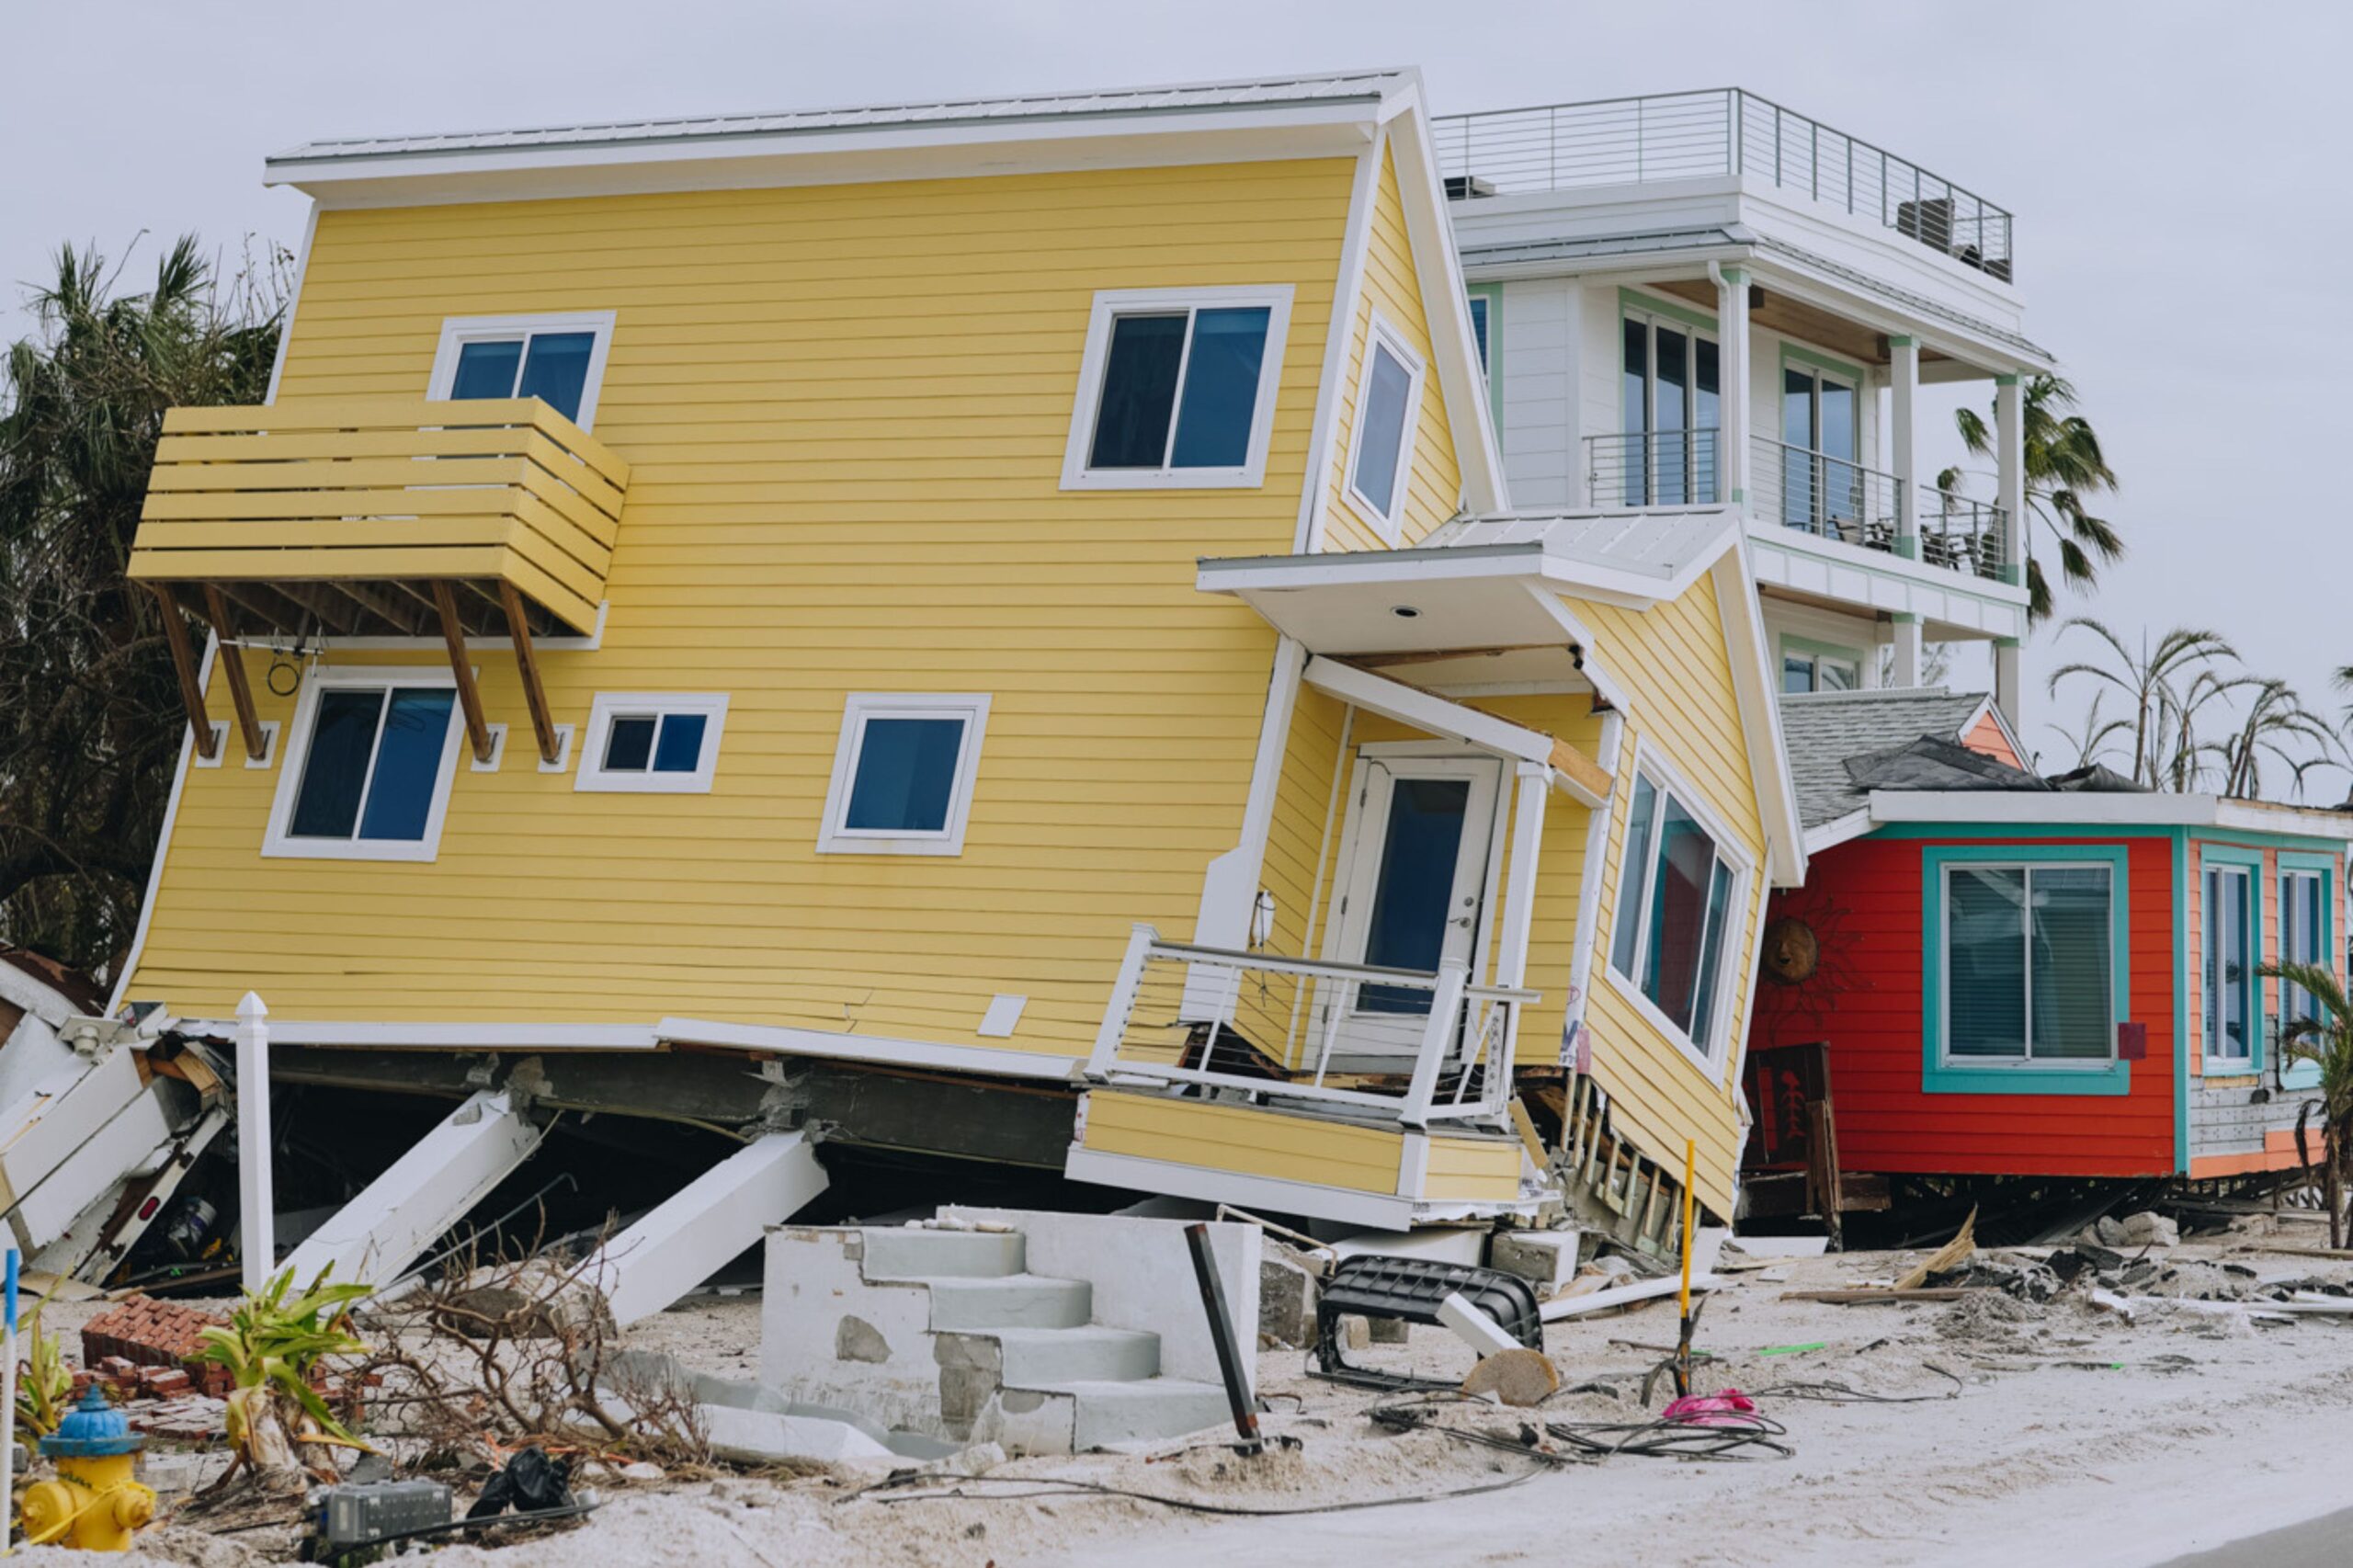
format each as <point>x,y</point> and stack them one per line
<point>2190,1433</point>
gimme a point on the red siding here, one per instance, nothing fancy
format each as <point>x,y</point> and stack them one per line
<point>1863,901</point>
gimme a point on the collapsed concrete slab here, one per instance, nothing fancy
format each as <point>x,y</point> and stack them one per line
<point>690,1236</point>
<point>428,1190</point>
<point>752,1424</point>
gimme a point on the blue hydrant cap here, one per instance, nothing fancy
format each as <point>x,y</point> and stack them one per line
<point>94,1429</point>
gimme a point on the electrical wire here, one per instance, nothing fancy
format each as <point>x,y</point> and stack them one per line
<point>1060,1487</point>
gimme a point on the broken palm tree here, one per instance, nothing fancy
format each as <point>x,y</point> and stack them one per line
<point>272,1346</point>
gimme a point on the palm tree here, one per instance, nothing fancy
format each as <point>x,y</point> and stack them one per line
<point>2328,1039</point>
<point>2164,688</point>
<point>2063,465</point>
<point>2275,720</point>
<point>90,721</point>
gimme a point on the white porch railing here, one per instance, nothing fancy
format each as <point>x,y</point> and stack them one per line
<point>1410,1045</point>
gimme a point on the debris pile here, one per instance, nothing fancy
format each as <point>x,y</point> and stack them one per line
<point>144,1335</point>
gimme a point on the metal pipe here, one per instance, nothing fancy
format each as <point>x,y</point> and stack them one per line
<point>1229,1356</point>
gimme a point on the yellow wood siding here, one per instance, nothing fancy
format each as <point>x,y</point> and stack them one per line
<point>1392,288</point>
<point>845,409</point>
<point>1246,1142</point>
<point>1473,1168</point>
<point>1675,664</point>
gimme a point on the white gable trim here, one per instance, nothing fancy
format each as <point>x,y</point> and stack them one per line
<point>1315,497</point>
<point>1463,382</point>
<point>1760,716</point>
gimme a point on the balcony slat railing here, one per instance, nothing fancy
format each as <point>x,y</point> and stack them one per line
<point>1721,131</point>
<point>1836,498</point>
<point>1405,1045</point>
<point>1654,468</point>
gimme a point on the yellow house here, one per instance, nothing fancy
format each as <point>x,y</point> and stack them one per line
<point>1017,595</point>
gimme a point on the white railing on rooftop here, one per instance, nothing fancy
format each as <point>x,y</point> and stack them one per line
<point>1410,1046</point>
<point>1721,131</point>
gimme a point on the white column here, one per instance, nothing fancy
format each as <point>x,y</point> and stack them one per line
<point>256,1193</point>
<point>2009,446</point>
<point>692,1235</point>
<point>1732,393</point>
<point>1903,458</point>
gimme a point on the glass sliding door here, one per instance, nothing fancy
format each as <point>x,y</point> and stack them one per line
<point>1821,452</point>
<point>1670,401</point>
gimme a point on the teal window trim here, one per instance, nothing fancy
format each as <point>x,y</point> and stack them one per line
<point>2087,831</point>
<point>1493,294</point>
<point>1807,648</point>
<point>2251,862</point>
<point>2305,1074</point>
<point>2181,959</point>
<point>1939,1077</point>
<point>1635,302</point>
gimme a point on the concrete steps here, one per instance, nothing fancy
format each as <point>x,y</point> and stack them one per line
<point>1011,1357</point>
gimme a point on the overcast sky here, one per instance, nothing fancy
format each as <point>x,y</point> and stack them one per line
<point>2178,173</point>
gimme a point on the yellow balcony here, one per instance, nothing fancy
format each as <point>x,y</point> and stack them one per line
<point>379,516</point>
<point>341,516</point>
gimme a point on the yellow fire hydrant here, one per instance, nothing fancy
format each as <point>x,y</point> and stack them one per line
<point>94,1503</point>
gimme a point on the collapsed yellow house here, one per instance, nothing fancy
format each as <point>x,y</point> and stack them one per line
<point>991,632</point>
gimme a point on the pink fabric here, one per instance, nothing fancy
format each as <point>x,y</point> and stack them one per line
<point>1721,1409</point>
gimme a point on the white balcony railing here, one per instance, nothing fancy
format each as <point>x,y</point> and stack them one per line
<point>1724,130</point>
<point>1405,1045</point>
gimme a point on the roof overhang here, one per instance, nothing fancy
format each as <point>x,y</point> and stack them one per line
<point>2092,811</point>
<point>608,160</point>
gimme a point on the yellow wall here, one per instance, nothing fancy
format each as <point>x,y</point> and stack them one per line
<point>1252,1142</point>
<point>1392,288</point>
<point>846,409</point>
<point>1674,664</point>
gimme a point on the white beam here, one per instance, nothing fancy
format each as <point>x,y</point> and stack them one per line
<point>692,1235</point>
<point>428,1190</point>
<point>1434,715</point>
<point>1520,877</point>
<point>1731,437</point>
<point>256,1190</point>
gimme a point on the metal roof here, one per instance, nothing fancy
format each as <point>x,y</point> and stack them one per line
<point>1655,544</point>
<point>1259,92</point>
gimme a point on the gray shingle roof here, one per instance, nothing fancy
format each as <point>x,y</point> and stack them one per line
<point>1250,93</point>
<point>1823,729</point>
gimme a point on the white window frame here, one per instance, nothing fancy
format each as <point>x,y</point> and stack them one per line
<point>1709,1056</point>
<point>2290,992</point>
<point>459,331</point>
<point>2026,1061</point>
<point>276,841</point>
<point>972,708</point>
<point>608,706</point>
<point>2214,1061</point>
<point>1382,337</point>
<point>1111,303</point>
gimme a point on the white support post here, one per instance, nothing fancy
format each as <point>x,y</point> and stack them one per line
<point>1731,374</point>
<point>256,1193</point>
<point>2009,445</point>
<point>1123,998</point>
<point>1903,453</point>
<point>379,1233</point>
<point>1438,1035</point>
<point>1519,911</point>
<point>692,1235</point>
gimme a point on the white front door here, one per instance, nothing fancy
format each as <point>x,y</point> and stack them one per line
<point>1413,889</point>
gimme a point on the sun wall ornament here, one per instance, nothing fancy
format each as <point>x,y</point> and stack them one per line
<point>1792,952</point>
<point>1808,956</point>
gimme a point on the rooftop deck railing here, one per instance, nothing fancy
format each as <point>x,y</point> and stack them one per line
<point>1721,131</point>
<point>1410,1046</point>
<point>1833,497</point>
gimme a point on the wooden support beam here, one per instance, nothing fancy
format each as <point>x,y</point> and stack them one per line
<point>400,612</point>
<point>518,626</point>
<point>184,661</point>
<point>1440,655</point>
<point>1581,770</point>
<point>232,666</point>
<point>468,699</point>
<point>328,607</point>
<point>273,608</point>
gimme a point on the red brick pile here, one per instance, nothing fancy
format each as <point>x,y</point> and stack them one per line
<point>149,1337</point>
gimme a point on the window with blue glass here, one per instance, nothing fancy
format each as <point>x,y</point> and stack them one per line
<point>903,774</point>
<point>653,743</point>
<point>1178,389</point>
<point>557,359</point>
<point>1678,904</point>
<point>1387,403</point>
<point>373,761</point>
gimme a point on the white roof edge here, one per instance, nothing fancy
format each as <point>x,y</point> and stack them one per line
<point>1375,86</point>
<point>1829,835</point>
<point>2119,809</point>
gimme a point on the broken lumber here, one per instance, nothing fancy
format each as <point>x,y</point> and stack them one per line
<point>1898,1294</point>
<point>1949,1256</point>
<point>1622,1295</point>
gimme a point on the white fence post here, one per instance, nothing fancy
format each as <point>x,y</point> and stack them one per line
<point>1123,1001</point>
<point>257,1206</point>
<point>1445,1007</point>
